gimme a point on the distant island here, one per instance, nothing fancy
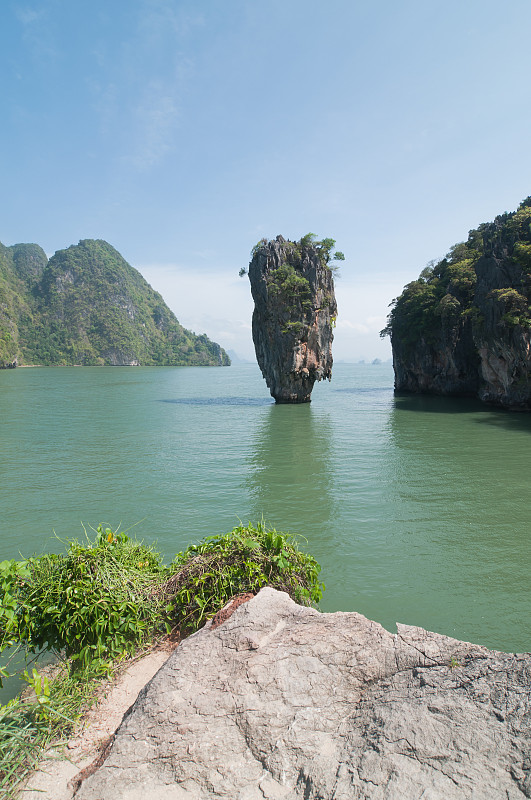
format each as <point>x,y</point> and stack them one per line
<point>464,326</point>
<point>87,306</point>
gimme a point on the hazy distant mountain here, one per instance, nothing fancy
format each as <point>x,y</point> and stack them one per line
<point>236,359</point>
<point>87,305</point>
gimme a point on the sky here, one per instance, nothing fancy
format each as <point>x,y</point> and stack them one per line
<point>183,131</point>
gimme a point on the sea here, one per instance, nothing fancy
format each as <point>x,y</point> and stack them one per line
<point>416,507</point>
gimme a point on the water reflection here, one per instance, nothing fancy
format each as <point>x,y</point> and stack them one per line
<point>290,476</point>
<point>483,414</point>
<point>434,404</point>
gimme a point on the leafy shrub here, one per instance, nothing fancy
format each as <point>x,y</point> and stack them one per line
<point>94,603</point>
<point>206,576</point>
<point>13,575</point>
<point>515,306</point>
<point>286,281</point>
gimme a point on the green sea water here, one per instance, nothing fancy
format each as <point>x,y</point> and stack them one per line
<point>417,508</point>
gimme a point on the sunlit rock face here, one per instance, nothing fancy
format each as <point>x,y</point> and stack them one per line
<point>295,307</point>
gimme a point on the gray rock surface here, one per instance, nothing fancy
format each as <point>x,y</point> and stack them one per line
<point>281,701</point>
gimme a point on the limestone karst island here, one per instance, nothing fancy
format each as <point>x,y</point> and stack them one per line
<point>294,312</point>
<point>86,305</point>
<point>464,326</point>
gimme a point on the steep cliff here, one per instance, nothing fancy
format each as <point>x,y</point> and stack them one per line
<point>295,307</point>
<point>464,327</point>
<point>87,305</point>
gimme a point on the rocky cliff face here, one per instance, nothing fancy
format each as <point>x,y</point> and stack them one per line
<point>281,701</point>
<point>464,327</point>
<point>295,307</point>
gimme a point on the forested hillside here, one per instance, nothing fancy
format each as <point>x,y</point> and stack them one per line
<point>88,306</point>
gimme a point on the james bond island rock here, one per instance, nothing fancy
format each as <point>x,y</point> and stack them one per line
<point>87,305</point>
<point>294,312</point>
<point>281,701</point>
<point>464,327</point>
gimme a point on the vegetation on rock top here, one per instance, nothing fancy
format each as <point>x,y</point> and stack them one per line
<point>446,295</point>
<point>298,250</point>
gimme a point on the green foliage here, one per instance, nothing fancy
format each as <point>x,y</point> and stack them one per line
<point>296,328</point>
<point>13,576</point>
<point>102,600</point>
<point>297,250</point>
<point>94,603</point>
<point>308,240</point>
<point>522,256</point>
<point>88,306</point>
<point>449,307</point>
<point>28,725</point>
<point>516,309</point>
<point>445,293</point>
<point>327,245</point>
<point>415,313</point>
<point>19,267</point>
<point>258,246</point>
<point>288,282</point>
<point>206,576</point>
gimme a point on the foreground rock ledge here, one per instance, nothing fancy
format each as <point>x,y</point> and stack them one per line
<point>281,701</point>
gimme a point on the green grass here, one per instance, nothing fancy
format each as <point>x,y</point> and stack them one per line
<point>28,726</point>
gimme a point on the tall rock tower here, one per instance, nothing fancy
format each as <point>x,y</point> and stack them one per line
<point>294,312</point>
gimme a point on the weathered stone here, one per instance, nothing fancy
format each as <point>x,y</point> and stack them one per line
<point>292,322</point>
<point>281,701</point>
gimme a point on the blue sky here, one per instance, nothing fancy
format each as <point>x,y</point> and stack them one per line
<point>182,131</point>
